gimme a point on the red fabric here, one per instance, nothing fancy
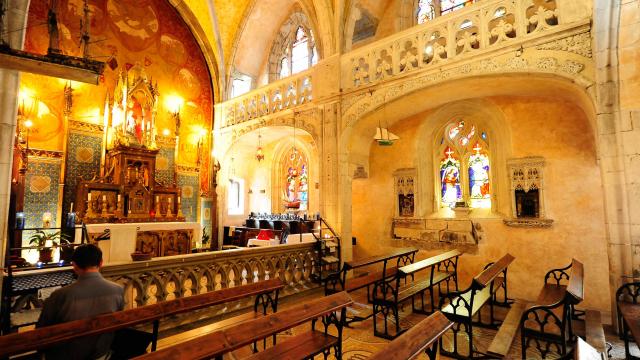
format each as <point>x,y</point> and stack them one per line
<point>265,235</point>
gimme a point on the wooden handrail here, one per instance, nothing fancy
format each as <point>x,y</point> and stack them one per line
<point>223,341</point>
<point>47,336</point>
<point>484,278</point>
<point>419,265</point>
<point>415,340</point>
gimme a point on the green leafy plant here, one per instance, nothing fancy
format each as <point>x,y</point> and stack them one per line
<point>40,238</point>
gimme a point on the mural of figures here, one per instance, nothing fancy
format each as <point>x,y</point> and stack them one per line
<point>123,33</point>
<point>450,178</point>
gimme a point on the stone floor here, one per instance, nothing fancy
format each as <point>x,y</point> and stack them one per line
<point>359,342</point>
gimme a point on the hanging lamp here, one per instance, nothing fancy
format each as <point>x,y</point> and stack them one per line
<point>259,152</point>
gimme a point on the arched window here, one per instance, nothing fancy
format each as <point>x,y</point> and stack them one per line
<point>426,11</point>
<point>464,168</point>
<point>296,179</point>
<point>294,49</point>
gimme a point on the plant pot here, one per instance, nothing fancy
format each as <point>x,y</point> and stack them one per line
<point>46,255</point>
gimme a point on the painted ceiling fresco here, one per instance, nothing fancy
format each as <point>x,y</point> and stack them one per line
<point>123,34</point>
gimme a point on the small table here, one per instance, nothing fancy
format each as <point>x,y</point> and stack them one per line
<point>257,242</point>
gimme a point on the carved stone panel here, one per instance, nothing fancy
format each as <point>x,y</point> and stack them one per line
<point>527,192</point>
<point>405,182</point>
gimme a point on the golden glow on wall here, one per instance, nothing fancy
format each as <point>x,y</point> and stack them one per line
<point>125,33</point>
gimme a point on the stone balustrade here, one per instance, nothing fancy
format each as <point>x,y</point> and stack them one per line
<point>477,29</point>
<point>171,277</point>
<point>277,96</point>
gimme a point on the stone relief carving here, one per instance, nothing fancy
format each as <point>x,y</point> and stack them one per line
<point>527,192</point>
<point>579,44</point>
<point>405,181</point>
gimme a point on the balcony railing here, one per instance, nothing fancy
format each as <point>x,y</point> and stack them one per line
<point>466,32</point>
<point>275,97</point>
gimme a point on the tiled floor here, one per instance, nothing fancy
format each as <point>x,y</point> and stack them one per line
<point>359,342</point>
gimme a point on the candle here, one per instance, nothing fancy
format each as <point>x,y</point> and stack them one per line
<point>169,200</point>
<point>71,210</point>
<point>157,198</point>
<point>178,199</point>
<point>89,196</point>
<point>118,197</point>
<point>104,198</point>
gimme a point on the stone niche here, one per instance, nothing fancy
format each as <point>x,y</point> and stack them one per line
<point>438,233</point>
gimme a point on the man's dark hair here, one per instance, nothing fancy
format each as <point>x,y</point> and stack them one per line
<point>86,256</point>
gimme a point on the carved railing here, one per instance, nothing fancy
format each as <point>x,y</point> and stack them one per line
<point>474,30</point>
<point>277,96</point>
<point>184,275</point>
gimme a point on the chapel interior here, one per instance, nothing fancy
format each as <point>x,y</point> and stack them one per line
<point>358,153</point>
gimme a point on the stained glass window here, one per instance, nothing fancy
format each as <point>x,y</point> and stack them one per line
<point>479,178</point>
<point>284,67</point>
<point>296,180</point>
<point>448,6</point>
<point>450,178</point>
<point>300,52</point>
<point>464,170</point>
<point>426,11</point>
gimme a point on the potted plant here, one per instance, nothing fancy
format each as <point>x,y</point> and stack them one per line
<point>40,239</point>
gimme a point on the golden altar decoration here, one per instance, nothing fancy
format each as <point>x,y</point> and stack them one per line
<point>126,190</point>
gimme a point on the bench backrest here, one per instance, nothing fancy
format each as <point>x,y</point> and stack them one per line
<point>575,288</point>
<point>348,265</point>
<point>423,264</point>
<point>47,336</point>
<point>486,277</point>
<point>223,341</point>
<point>414,342</point>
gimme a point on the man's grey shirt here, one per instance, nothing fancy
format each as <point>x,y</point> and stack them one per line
<point>89,296</point>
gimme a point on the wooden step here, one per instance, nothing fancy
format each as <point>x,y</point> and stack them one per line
<point>594,332</point>
<point>330,259</point>
<point>504,338</point>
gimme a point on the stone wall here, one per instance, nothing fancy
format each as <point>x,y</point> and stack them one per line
<point>554,129</point>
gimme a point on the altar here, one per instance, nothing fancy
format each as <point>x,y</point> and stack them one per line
<point>118,241</point>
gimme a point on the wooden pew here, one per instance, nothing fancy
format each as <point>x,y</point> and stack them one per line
<point>388,294</point>
<point>341,283</point>
<point>627,297</point>
<point>594,333</point>
<point>466,304</point>
<point>421,338</point>
<point>549,319</point>
<point>302,346</point>
<point>266,293</point>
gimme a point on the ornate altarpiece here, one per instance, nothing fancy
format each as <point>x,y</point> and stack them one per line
<point>527,192</point>
<point>127,190</point>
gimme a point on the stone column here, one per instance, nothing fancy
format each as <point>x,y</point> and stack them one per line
<point>15,18</point>
<point>615,43</point>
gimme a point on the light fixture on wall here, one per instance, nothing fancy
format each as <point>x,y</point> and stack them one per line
<point>259,152</point>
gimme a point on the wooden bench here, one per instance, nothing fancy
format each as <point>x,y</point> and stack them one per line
<point>305,345</point>
<point>464,305</point>
<point>389,293</point>
<point>548,320</point>
<point>421,338</point>
<point>341,283</point>
<point>266,293</point>
<point>627,297</point>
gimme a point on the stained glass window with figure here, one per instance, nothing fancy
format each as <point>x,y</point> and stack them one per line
<point>479,178</point>
<point>426,11</point>
<point>296,179</point>
<point>448,6</point>
<point>450,178</point>
<point>464,170</point>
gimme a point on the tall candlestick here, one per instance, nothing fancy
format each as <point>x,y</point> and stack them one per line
<point>89,196</point>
